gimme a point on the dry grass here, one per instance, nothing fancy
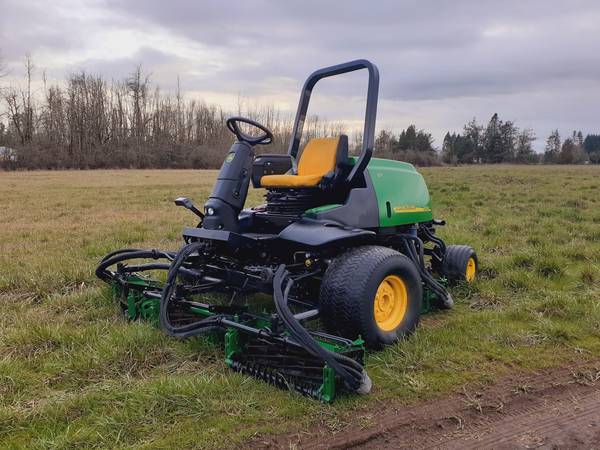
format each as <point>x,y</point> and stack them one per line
<point>73,374</point>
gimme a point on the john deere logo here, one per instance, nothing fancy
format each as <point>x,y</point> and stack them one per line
<point>230,157</point>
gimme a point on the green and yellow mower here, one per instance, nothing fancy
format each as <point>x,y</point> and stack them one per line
<point>341,258</point>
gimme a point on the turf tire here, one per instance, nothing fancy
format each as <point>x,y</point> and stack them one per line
<point>348,291</point>
<point>456,259</point>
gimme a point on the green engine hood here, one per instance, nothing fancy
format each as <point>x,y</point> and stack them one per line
<point>402,194</point>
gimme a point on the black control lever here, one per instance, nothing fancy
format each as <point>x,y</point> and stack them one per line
<point>187,204</point>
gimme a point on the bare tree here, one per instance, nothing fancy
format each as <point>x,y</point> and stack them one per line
<point>19,107</point>
<point>28,122</point>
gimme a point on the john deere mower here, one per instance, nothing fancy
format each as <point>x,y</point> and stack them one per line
<point>341,258</point>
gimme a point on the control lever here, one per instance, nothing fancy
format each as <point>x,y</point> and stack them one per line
<point>187,204</point>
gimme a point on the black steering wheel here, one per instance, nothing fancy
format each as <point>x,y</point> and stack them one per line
<point>263,139</point>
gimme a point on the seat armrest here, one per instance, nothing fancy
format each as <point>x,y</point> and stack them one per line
<point>269,165</point>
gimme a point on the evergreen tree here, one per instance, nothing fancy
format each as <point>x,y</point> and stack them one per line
<point>553,148</point>
<point>591,143</point>
<point>384,142</point>
<point>471,143</point>
<point>492,141</point>
<point>571,153</point>
<point>524,150</point>
<point>408,138</point>
<point>508,137</point>
<point>411,138</point>
<point>414,140</point>
<point>424,142</point>
<point>401,142</point>
<point>448,155</point>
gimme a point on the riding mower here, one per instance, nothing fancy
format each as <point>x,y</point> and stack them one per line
<point>344,245</point>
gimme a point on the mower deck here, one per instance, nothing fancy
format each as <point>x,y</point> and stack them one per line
<point>255,344</point>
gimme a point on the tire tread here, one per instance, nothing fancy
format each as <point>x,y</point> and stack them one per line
<point>345,281</point>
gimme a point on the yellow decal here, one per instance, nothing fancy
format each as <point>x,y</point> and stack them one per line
<point>410,209</point>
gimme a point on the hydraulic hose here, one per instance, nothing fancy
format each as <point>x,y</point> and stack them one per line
<point>352,373</point>
<point>414,250</point>
<point>125,255</point>
<point>433,238</point>
<point>168,293</point>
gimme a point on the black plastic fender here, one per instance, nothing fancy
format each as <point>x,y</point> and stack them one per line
<point>315,233</point>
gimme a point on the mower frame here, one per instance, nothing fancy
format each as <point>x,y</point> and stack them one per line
<point>290,249</point>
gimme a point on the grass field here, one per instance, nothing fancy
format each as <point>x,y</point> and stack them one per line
<point>73,373</point>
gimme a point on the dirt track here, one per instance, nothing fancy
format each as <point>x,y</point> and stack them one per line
<point>558,409</point>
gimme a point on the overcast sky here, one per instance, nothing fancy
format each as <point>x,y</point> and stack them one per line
<point>441,63</point>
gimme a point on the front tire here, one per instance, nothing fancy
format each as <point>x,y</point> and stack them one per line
<point>460,264</point>
<point>373,292</point>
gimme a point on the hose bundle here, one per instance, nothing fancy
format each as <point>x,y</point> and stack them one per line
<point>127,254</point>
<point>414,250</point>
<point>352,373</point>
<point>168,294</point>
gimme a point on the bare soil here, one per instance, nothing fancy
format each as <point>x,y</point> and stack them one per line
<point>551,409</point>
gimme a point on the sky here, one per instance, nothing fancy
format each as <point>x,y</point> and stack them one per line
<point>441,63</point>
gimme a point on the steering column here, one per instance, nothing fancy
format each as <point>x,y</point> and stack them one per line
<point>231,188</point>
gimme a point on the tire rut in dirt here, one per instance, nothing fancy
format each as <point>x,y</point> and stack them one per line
<point>546,409</point>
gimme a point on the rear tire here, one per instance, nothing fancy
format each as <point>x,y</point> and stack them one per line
<point>460,264</point>
<point>372,292</point>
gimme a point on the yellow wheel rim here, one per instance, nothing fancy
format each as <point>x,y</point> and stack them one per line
<point>471,269</point>
<point>391,301</point>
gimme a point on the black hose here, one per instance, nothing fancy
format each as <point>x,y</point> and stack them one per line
<point>351,372</point>
<point>205,325</point>
<point>122,250</point>
<point>144,267</point>
<point>303,337</point>
<point>414,250</point>
<point>297,326</point>
<point>429,235</point>
<point>125,255</point>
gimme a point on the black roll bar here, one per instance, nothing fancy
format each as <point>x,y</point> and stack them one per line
<point>370,112</point>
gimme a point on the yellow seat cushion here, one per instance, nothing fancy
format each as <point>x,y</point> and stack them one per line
<point>290,180</point>
<point>317,159</point>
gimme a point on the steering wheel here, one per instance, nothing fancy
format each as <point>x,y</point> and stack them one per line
<point>263,139</point>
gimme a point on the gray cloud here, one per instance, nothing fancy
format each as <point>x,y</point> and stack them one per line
<point>440,62</point>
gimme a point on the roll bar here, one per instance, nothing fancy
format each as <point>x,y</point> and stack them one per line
<point>370,112</point>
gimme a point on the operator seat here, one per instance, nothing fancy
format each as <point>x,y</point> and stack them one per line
<point>321,163</point>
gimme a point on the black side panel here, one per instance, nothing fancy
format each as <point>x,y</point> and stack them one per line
<point>315,233</point>
<point>360,209</point>
<point>202,233</point>
<point>248,241</point>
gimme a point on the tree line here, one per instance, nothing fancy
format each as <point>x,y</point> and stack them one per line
<point>503,142</point>
<point>88,122</point>
<point>573,150</point>
<point>411,145</point>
